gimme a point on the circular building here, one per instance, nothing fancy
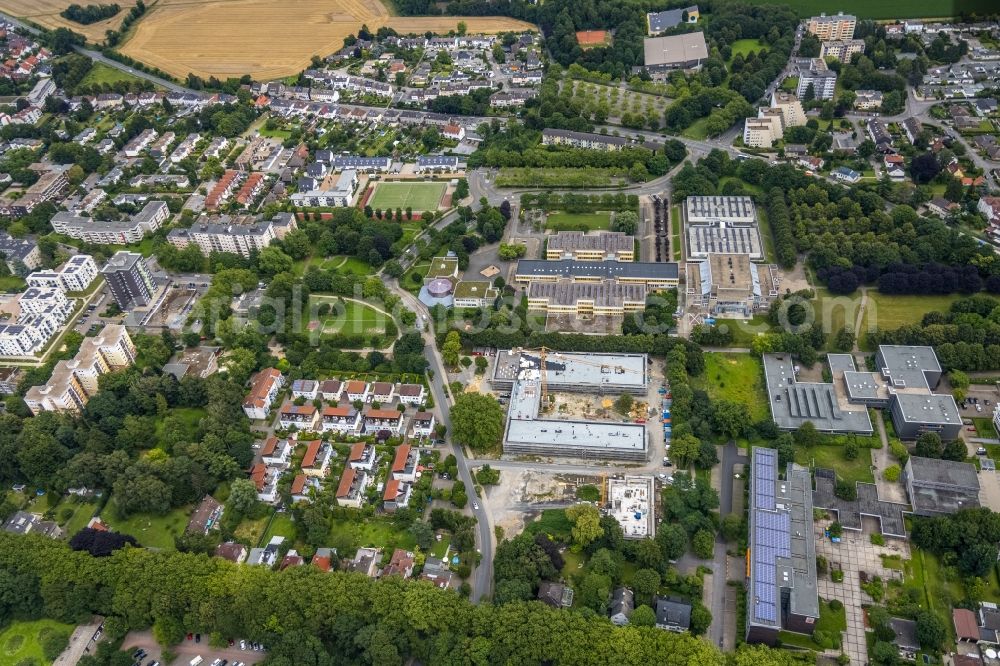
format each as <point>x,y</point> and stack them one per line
<point>439,288</point>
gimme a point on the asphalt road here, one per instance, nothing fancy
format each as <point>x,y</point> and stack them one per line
<point>482,577</point>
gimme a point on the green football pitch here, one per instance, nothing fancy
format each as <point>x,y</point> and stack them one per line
<point>417,196</point>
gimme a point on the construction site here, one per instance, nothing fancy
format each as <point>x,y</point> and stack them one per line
<point>535,423</point>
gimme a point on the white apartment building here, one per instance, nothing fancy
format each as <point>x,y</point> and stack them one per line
<point>75,275</point>
<point>45,301</point>
<point>832,28</point>
<point>74,382</point>
<point>242,239</point>
<point>842,49</point>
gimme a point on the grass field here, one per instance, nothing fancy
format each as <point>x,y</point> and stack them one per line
<point>698,130</point>
<point>745,46</point>
<point>675,232</point>
<point>884,311</point>
<point>345,265</point>
<point>226,38</point>
<point>418,196</point>
<point>100,74</point>
<point>560,177</point>
<point>21,642</point>
<point>349,317</point>
<point>82,514</point>
<point>577,221</point>
<point>887,9</point>
<point>347,535</point>
<point>735,377</point>
<point>149,531</point>
<point>832,457</point>
<point>46,13</point>
<point>12,283</point>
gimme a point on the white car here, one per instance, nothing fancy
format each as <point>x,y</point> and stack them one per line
<point>243,645</point>
<point>475,506</point>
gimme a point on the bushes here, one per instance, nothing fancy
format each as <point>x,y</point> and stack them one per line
<point>891,473</point>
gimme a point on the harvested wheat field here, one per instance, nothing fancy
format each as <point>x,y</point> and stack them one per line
<point>46,13</point>
<point>268,39</point>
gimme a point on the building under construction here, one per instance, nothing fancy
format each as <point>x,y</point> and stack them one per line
<point>528,433</point>
<point>631,501</point>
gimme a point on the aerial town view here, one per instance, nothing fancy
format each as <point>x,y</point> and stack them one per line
<point>520,332</point>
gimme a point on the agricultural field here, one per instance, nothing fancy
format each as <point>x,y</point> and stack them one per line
<point>616,102</point>
<point>347,317</point>
<point>225,38</point>
<point>21,642</point>
<point>578,221</point>
<point>887,9</point>
<point>417,196</point>
<point>46,14</point>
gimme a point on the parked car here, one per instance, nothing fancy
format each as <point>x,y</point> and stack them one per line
<point>981,451</point>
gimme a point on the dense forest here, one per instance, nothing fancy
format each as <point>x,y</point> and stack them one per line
<point>308,617</point>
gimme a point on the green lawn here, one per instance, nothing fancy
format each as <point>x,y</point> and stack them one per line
<point>577,221</point>
<point>745,46</point>
<point>832,457</point>
<point>10,284</point>
<point>81,516</point>
<point>275,133</point>
<point>561,177</point>
<point>413,278</point>
<point>150,531</point>
<point>348,317</point>
<point>281,525</point>
<point>885,311</point>
<point>346,265</point>
<point>735,377</point>
<point>834,312</point>
<point>418,196</point>
<point>410,231</point>
<point>347,535</point>
<point>21,642</point>
<point>552,522</point>
<point>440,548</point>
<point>100,74</point>
<point>985,428</point>
<point>698,130</point>
<point>790,84</point>
<point>675,231</point>
<point>833,622</point>
<point>887,9</point>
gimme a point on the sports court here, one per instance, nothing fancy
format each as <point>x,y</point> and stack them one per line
<point>417,196</point>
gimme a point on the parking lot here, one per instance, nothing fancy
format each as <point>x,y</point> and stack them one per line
<point>187,650</point>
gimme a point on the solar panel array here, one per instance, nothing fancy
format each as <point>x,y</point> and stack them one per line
<point>771,537</point>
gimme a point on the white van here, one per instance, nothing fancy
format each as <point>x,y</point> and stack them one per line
<point>197,660</point>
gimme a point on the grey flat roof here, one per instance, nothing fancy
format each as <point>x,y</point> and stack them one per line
<point>929,408</point>
<point>635,270</point>
<point>944,472</point>
<point>863,385</point>
<point>782,549</point>
<point>849,513</point>
<point>568,368</point>
<point>723,239</point>
<point>595,435</point>
<point>908,363</point>
<point>675,49</point>
<point>793,403</point>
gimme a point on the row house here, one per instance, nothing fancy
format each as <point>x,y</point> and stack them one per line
<point>139,143</point>
<point>331,389</point>
<point>302,487</point>
<point>342,419</point>
<point>223,188</point>
<point>357,390</point>
<point>301,417</point>
<point>396,495</point>
<point>305,388</point>
<point>351,491</point>
<point>412,394</point>
<point>383,392</point>
<point>422,424</point>
<point>404,464</point>
<point>264,387</point>
<point>277,452</point>
<point>265,480</point>
<point>376,420</point>
<point>316,461</point>
<point>184,148</point>
<point>362,456</point>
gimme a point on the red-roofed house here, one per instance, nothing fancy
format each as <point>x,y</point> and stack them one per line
<point>276,452</point>
<point>396,495</point>
<point>323,559</point>
<point>301,485</point>
<point>292,559</point>
<point>351,491</point>
<point>343,418</point>
<point>404,465</point>
<point>362,457</point>
<point>401,564</point>
<point>383,419</point>
<point>966,627</point>
<point>357,390</point>
<point>264,387</point>
<point>266,480</point>
<point>316,461</point>
<point>232,551</point>
<point>301,417</point>
<point>454,132</point>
